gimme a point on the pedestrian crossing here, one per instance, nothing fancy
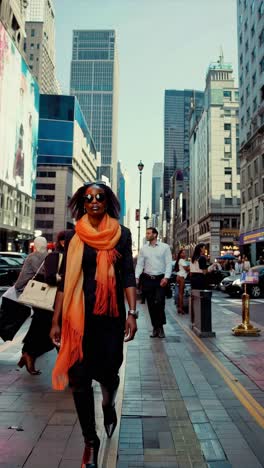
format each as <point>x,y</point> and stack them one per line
<point>235,302</point>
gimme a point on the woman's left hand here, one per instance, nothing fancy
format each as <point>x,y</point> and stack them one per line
<point>131,328</point>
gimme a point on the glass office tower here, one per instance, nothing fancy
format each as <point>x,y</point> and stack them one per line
<point>176,137</point>
<point>94,76</point>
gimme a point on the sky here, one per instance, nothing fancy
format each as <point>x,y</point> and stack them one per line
<point>162,44</point>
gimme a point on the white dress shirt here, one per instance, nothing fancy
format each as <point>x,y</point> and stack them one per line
<point>154,260</point>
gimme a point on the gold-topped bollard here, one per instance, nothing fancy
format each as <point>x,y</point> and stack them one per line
<point>245,328</point>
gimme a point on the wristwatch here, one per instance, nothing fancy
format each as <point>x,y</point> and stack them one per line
<point>134,313</point>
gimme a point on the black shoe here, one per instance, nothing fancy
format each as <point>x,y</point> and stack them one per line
<point>161,333</point>
<point>90,454</point>
<point>155,333</point>
<point>110,419</point>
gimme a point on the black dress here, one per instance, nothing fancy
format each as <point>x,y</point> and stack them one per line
<point>103,335</point>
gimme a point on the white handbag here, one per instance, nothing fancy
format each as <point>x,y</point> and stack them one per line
<point>38,294</point>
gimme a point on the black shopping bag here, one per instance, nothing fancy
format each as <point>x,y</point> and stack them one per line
<point>12,317</point>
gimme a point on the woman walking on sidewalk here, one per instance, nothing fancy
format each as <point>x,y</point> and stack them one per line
<point>198,267</point>
<point>37,340</point>
<point>90,320</point>
<point>181,268</point>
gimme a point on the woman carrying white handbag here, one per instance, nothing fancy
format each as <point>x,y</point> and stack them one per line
<point>37,340</point>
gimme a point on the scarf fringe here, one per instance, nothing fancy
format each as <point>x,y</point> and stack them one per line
<point>60,377</point>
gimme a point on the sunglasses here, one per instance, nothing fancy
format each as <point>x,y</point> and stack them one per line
<point>100,197</point>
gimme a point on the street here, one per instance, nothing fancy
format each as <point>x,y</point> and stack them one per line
<point>235,305</point>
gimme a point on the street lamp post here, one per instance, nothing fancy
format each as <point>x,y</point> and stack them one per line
<point>140,168</point>
<point>146,218</point>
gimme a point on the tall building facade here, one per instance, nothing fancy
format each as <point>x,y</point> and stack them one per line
<point>12,15</point>
<point>94,80</point>
<point>19,111</point>
<point>214,165</point>
<point>40,44</point>
<point>157,192</point>
<point>121,192</point>
<point>67,158</point>
<point>178,104</point>
<point>250,23</point>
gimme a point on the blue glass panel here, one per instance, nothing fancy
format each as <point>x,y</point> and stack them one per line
<point>55,130</point>
<point>56,107</point>
<point>54,148</point>
<point>55,160</point>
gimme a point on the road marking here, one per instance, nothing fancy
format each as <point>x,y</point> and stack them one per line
<point>252,406</point>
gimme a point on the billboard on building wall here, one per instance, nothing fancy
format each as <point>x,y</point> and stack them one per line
<point>19,108</point>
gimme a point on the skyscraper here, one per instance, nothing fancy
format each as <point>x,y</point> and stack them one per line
<point>176,138</point>
<point>250,26</point>
<point>157,187</point>
<point>40,44</point>
<point>214,165</point>
<point>94,76</point>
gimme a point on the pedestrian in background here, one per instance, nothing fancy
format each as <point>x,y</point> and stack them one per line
<point>246,264</point>
<point>89,320</point>
<point>198,267</point>
<point>37,340</point>
<point>182,268</point>
<point>156,260</point>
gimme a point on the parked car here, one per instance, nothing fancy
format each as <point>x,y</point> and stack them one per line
<point>9,270</point>
<point>227,282</point>
<point>254,290</point>
<point>19,256</point>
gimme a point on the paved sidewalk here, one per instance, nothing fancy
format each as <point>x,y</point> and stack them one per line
<point>184,402</point>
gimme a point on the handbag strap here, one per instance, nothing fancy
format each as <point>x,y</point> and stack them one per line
<point>38,270</point>
<point>60,261</point>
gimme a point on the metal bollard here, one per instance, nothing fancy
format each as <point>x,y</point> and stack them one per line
<point>201,313</point>
<point>245,328</point>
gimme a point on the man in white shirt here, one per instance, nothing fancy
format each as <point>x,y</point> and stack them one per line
<point>156,261</point>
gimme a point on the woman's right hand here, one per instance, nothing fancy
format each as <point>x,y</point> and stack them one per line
<point>55,334</point>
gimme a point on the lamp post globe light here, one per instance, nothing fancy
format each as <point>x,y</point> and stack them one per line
<point>140,168</point>
<point>146,218</point>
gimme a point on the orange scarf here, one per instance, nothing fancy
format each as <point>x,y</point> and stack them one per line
<point>104,241</point>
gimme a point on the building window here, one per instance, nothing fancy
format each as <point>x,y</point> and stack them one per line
<point>256,213</point>
<point>236,95</point>
<point>249,216</point>
<point>228,201</point>
<point>261,65</point>
<point>40,210</point>
<point>256,190</point>
<point>248,113</point>
<point>253,31</point>
<point>262,93</point>
<point>32,46</point>
<point>241,80</point>
<point>246,47</point>
<point>262,159</point>
<point>254,79</point>
<point>227,126</point>
<point>31,57</point>
<point>261,37</point>
<point>227,112</point>
<point>45,186</point>
<point>234,223</point>
<point>249,193</point>
<point>227,155</point>
<point>243,219</point>
<point>249,172</point>
<point>226,223</point>
<point>46,174</point>
<point>254,104</point>
<point>227,141</point>
<point>228,186</point>
<point>261,10</point>
<point>247,68</point>
<point>242,122</point>
<point>228,95</point>
<point>247,91</point>
<point>256,166</point>
<point>45,198</point>
<point>246,25</point>
<point>32,33</point>
<point>43,223</point>
<point>228,170</point>
<point>238,186</point>
<point>240,39</point>
<point>243,194</point>
<point>253,55</point>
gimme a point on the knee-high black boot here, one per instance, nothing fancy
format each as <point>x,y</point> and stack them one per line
<point>84,403</point>
<point>110,418</point>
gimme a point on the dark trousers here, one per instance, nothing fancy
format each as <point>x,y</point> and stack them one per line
<point>37,340</point>
<point>155,296</point>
